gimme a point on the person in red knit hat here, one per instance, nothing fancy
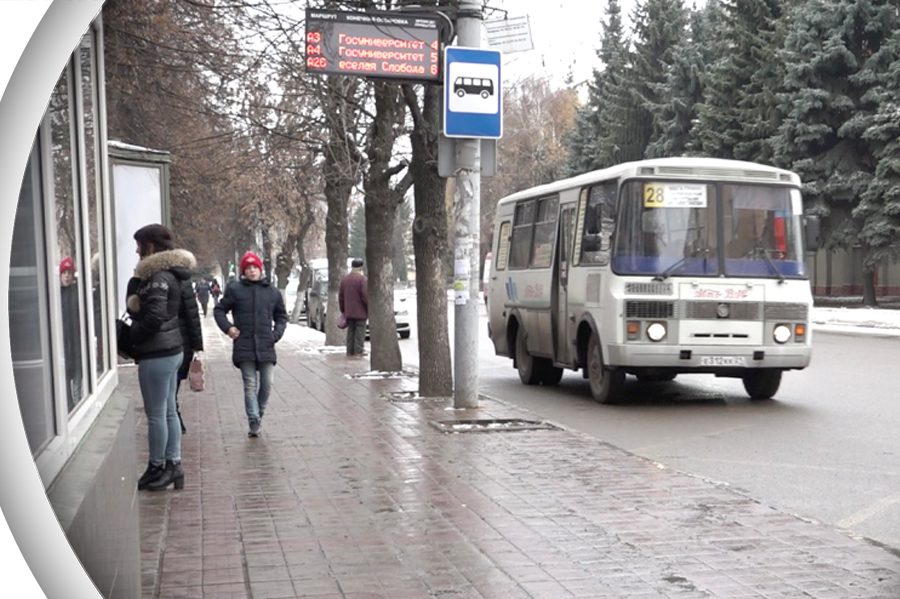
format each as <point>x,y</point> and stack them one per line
<point>258,320</point>
<point>71,330</point>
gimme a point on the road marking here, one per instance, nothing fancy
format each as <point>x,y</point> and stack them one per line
<point>864,514</point>
<point>769,464</point>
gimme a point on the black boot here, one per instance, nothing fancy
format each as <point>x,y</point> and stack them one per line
<point>172,474</point>
<point>150,474</point>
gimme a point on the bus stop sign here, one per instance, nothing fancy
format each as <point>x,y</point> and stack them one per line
<point>472,93</point>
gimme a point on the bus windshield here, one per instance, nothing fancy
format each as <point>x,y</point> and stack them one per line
<point>673,229</point>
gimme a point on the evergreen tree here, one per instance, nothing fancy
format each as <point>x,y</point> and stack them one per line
<point>765,25</point>
<point>879,207</point>
<point>830,55</point>
<point>738,113</point>
<point>659,25</point>
<point>682,92</point>
<point>588,143</point>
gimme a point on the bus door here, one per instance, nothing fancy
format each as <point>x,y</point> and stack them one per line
<point>563,327</point>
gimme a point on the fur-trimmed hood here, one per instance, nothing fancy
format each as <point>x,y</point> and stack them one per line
<point>165,260</point>
<point>180,262</point>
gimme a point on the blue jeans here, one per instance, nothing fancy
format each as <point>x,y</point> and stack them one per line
<point>158,379</point>
<point>258,378</point>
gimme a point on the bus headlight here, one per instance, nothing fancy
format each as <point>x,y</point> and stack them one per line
<point>782,333</point>
<point>656,331</point>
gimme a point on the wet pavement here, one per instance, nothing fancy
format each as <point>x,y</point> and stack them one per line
<point>354,491</point>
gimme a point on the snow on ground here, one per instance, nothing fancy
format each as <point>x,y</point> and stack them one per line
<point>874,321</point>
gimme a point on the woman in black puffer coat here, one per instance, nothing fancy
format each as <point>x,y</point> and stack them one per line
<point>155,304</point>
<point>259,320</point>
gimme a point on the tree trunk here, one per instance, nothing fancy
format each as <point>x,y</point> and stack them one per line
<point>430,233</point>
<point>869,298</point>
<point>341,159</point>
<point>381,213</point>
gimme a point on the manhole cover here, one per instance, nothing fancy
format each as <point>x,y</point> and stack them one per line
<point>410,397</point>
<point>495,425</point>
<point>380,374</point>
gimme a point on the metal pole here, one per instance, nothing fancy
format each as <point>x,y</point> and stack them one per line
<point>467,238</point>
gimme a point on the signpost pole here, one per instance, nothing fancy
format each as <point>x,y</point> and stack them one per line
<point>466,243</point>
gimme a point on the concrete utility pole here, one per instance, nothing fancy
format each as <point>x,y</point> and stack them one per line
<point>467,237</point>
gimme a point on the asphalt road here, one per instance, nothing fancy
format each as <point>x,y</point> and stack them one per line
<point>825,448</point>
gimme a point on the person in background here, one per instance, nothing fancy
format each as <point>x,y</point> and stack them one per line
<point>353,298</point>
<point>215,290</point>
<point>191,332</point>
<point>258,322</point>
<point>154,302</point>
<point>71,330</point>
<point>202,290</point>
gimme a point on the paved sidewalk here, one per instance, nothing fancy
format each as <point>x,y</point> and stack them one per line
<point>351,493</point>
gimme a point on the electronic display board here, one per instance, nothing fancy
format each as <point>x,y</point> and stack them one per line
<point>373,44</point>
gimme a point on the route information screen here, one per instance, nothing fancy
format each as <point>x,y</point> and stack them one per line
<point>373,44</point>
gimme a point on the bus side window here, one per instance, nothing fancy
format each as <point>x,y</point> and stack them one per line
<point>599,223</point>
<point>544,232</point>
<point>523,229</point>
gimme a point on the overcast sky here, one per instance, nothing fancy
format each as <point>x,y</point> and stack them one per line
<point>566,35</point>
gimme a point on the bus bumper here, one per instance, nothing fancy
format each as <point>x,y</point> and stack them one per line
<point>709,358</point>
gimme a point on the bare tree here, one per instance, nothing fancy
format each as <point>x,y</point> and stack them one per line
<point>430,243</point>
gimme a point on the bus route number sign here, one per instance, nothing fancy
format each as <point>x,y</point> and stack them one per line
<point>674,195</point>
<point>373,44</point>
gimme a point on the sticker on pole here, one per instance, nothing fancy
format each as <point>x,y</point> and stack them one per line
<point>472,93</point>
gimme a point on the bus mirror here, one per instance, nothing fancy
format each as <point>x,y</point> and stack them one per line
<point>591,242</point>
<point>812,233</point>
<point>592,220</point>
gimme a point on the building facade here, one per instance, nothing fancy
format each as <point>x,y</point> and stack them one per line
<point>62,310</point>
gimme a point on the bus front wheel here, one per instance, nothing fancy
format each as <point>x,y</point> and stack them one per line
<point>607,385</point>
<point>762,383</point>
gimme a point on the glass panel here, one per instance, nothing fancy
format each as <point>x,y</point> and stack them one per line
<point>68,255</point>
<point>503,246</point>
<point>544,233</point>
<point>599,223</point>
<point>762,231</point>
<point>28,332</point>
<point>99,342</point>
<point>667,228</point>
<point>520,249</point>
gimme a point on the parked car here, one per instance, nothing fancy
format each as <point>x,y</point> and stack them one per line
<point>318,303</point>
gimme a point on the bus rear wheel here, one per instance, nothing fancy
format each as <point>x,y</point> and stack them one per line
<point>528,366</point>
<point>551,375</point>
<point>607,385</point>
<point>762,383</point>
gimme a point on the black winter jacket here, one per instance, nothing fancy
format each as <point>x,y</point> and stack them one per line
<point>258,313</point>
<point>189,314</point>
<point>154,304</point>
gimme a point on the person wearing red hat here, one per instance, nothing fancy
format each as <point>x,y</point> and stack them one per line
<point>258,320</point>
<point>71,330</point>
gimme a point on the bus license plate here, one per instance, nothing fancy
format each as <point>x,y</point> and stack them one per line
<point>722,361</point>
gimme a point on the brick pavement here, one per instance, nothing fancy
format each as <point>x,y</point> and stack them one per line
<point>349,494</point>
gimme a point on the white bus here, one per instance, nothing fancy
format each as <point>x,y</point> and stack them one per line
<point>654,268</point>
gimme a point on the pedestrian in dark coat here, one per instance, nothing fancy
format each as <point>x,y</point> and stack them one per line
<point>191,331</point>
<point>71,331</point>
<point>155,304</point>
<point>258,322</point>
<point>353,298</point>
<point>202,291</point>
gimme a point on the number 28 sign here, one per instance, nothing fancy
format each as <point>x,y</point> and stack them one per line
<point>674,195</point>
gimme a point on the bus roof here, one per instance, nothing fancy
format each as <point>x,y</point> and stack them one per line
<point>693,167</point>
